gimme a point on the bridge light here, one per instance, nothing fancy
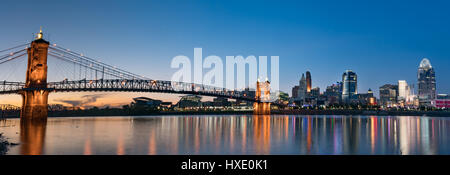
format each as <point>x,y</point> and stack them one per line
<point>54,45</point>
<point>40,35</point>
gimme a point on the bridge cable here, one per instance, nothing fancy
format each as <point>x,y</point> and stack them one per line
<point>96,61</point>
<point>65,58</point>
<point>15,47</point>
<point>92,64</point>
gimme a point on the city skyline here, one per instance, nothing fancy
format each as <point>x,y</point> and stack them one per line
<point>378,55</point>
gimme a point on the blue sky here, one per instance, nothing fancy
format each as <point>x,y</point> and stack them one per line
<point>382,41</point>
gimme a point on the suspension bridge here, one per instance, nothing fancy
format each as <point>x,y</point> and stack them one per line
<point>74,72</point>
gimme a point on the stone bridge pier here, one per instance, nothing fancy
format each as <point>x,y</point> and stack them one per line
<point>35,92</point>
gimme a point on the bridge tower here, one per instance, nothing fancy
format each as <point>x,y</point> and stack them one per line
<point>35,92</point>
<point>262,95</point>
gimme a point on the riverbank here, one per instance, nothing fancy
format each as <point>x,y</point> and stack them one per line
<point>364,112</point>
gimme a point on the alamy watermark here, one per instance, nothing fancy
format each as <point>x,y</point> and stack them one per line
<point>240,73</point>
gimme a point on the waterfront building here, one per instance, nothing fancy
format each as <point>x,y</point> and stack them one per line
<point>244,103</point>
<point>442,101</point>
<point>145,102</point>
<point>315,92</point>
<point>190,101</point>
<point>221,102</point>
<point>283,98</point>
<point>389,95</point>
<point>367,98</point>
<point>333,93</point>
<point>403,90</point>
<point>427,83</point>
<point>349,87</point>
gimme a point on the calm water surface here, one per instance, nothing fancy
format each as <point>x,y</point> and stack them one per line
<point>240,134</point>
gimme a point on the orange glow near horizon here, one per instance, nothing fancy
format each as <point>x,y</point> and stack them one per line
<point>112,99</point>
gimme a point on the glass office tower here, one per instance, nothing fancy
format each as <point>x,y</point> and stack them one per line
<point>349,86</point>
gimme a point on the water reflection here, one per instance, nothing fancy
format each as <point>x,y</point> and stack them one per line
<point>32,136</point>
<point>268,134</point>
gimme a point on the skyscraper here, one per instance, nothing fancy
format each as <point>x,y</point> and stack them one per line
<point>295,91</point>
<point>427,83</point>
<point>302,90</point>
<point>403,91</point>
<point>349,86</point>
<point>308,82</point>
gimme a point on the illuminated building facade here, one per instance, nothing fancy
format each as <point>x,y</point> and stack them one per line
<point>302,90</point>
<point>388,95</point>
<point>427,83</point>
<point>333,93</point>
<point>349,86</point>
<point>403,90</point>
<point>442,101</point>
<point>308,82</point>
<point>315,92</point>
<point>367,99</point>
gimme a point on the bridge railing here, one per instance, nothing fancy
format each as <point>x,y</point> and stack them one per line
<point>133,86</point>
<point>148,86</point>
<point>10,87</point>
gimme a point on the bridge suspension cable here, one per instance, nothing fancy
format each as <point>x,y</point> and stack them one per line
<point>15,47</point>
<point>90,63</point>
<point>11,56</point>
<point>82,65</point>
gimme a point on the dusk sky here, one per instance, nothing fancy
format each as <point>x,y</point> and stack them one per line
<point>382,41</point>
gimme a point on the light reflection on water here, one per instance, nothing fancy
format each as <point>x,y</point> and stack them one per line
<point>230,135</point>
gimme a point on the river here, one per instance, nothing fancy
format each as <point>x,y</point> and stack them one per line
<point>231,134</point>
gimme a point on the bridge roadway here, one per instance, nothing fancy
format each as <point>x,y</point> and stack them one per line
<point>120,85</point>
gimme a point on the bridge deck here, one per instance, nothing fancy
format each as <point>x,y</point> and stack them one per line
<point>118,85</point>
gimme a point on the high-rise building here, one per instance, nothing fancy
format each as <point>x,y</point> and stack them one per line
<point>427,83</point>
<point>308,82</point>
<point>315,92</point>
<point>302,90</point>
<point>403,91</point>
<point>295,91</point>
<point>334,93</point>
<point>349,86</point>
<point>388,95</point>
